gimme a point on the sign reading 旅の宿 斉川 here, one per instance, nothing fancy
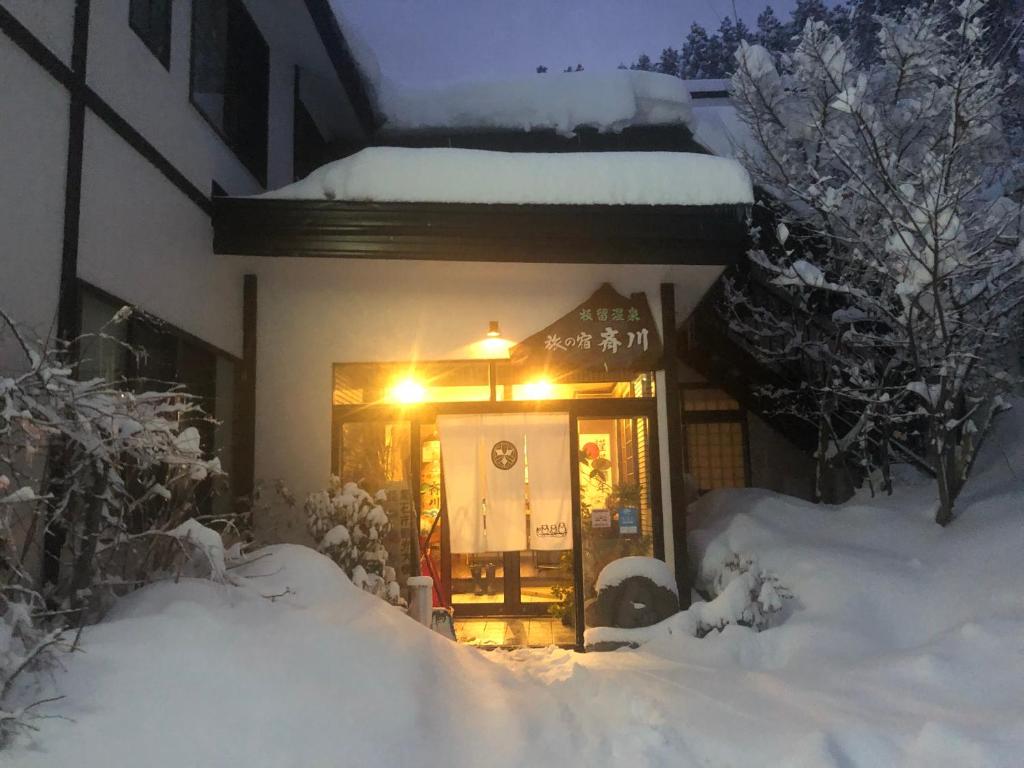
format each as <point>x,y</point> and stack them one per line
<point>607,332</point>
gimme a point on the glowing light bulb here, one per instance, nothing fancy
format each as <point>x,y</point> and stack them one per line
<point>408,391</point>
<point>541,389</point>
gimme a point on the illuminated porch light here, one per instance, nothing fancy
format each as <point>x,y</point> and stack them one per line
<point>408,391</point>
<point>493,331</point>
<point>542,389</point>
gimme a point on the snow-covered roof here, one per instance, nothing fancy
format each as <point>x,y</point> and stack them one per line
<point>559,101</point>
<point>398,174</point>
<point>719,129</point>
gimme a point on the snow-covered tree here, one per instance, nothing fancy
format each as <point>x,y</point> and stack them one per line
<point>668,63</point>
<point>889,173</point>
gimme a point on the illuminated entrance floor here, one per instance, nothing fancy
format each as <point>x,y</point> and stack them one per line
<point>526,595</point>
<point>516,632</point>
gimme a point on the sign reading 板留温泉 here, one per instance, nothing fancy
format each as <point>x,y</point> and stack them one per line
<point>606,332</point>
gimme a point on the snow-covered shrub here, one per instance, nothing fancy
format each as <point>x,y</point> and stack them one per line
<point>350,526</point>
<point>104,478</point>
<point>740,592</point>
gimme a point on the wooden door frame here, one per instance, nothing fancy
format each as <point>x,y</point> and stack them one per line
<point>608,408</point>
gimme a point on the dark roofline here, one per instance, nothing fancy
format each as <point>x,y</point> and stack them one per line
<point>345,64</point>
<point>557,234</point>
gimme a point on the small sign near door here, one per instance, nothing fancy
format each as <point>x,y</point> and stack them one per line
<point>600,518</point>
<point>629,521</point>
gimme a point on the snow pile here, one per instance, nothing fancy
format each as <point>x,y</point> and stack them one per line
<point>719,129</point>
<point>901,646</point>
<point>619,570</point>
<point>562,102</point>
<point>397,174</point>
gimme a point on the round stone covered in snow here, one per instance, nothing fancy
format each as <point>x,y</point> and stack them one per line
<point>633,592</point>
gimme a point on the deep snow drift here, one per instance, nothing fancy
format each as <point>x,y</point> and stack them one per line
<point>903,645</point>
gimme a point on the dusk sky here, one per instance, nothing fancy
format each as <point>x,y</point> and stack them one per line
<point>428,42</point>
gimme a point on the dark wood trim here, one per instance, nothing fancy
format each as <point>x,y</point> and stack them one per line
<point>654,469</point>
<point>142,146</point>
<point>568,234</point>
<point>345,65</point>
<point>585,409</point>
<point>577,535</point>
<point>76,85</point>
<point>184,335</point>
<point>245,437</point>
<point>674,440</point>
<point>35,49</point>
<point>69,313</point>
<point>748,472</point>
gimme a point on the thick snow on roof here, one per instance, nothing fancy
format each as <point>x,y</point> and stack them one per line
<point>563,102</point>
<point>720,130</point>
<point>398,174</point>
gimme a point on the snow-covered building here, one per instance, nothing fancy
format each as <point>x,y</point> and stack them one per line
<point>482,265</point>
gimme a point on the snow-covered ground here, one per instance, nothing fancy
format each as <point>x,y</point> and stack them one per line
<point>903,645</point>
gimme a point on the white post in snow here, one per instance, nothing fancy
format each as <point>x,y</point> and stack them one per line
<point>421,604</point>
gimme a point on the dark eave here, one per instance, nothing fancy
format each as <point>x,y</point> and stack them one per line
<point>567,234</point>
<point>345,65</point>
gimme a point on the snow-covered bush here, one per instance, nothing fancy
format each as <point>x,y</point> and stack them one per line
<point>350,527</point>
<point>98,477</point>
<point>895,254</point>
<point>740,592</point>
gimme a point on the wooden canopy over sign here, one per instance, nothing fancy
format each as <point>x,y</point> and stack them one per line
<point>608,332</point>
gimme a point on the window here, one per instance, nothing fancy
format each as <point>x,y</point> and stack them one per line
<point>151,21</point>
<point>169,357</point>
<point>230,78</point>
<point>310,149</point>
<point>716,439</point>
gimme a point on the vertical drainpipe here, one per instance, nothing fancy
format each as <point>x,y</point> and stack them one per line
<point>675,510</point>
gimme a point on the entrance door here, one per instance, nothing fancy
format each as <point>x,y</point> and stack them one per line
<point>534,500</point>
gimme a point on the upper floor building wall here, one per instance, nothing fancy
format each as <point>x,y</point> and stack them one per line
<point>157,100</point>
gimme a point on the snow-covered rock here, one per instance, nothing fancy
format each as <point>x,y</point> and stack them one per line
<point>651,568</point>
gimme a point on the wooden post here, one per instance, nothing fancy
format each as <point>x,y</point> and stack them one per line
<point>245,467</point>
<point>674,439</point>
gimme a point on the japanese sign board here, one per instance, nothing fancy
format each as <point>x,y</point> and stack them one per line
<point>600,518</point>
<point>607,332</point>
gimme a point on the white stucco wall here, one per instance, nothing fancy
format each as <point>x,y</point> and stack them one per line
<point>52,21</point>
<point>142,240</point>
<point>314,313</point>
<point>33,148</point>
